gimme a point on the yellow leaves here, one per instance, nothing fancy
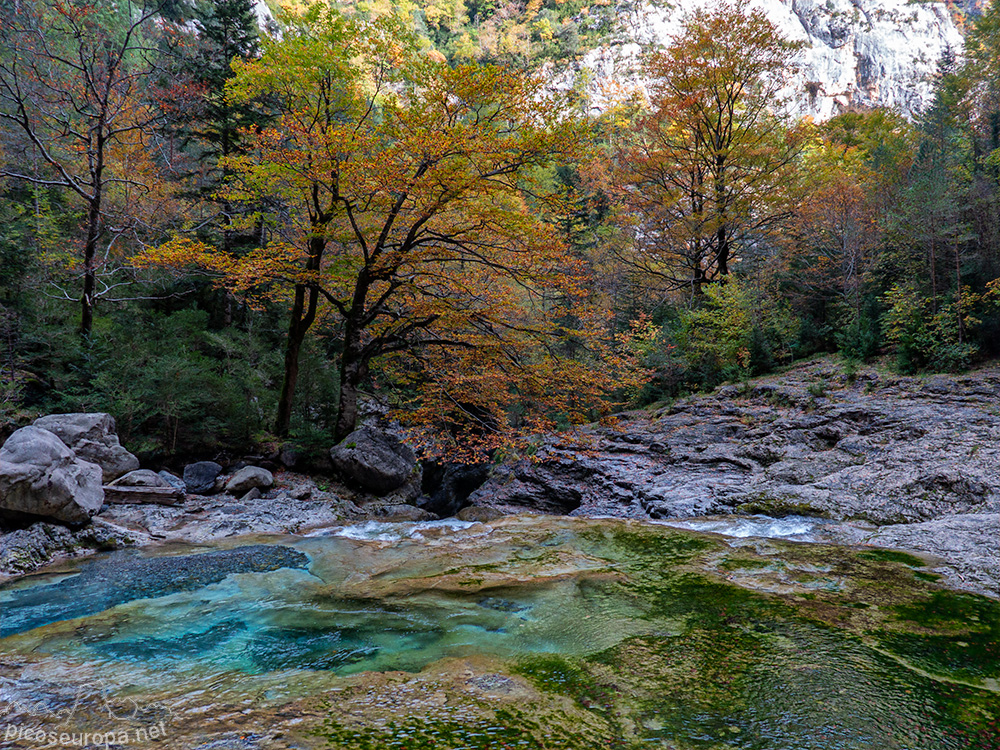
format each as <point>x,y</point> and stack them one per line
<point>262,274</point>
<point>544,29</point>
<point>182,253</point>
<point>415,198</point>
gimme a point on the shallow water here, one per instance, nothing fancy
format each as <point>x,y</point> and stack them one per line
<point>643,635</point>
<point>800,528</point>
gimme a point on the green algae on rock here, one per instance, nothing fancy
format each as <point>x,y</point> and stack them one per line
<point>537,633</point>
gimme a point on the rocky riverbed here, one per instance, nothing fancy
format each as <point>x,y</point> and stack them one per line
<point>901,462</point>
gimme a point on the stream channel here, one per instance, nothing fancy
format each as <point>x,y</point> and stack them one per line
<point>526,632</point>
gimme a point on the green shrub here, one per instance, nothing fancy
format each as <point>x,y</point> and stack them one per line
<point>736,331</point>
<point>927,340</point>
<point>173,386</point>
<point>858,334</point>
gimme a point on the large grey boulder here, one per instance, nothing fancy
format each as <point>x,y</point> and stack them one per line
<point>377,461</point>
<point>199,477</point>
<point>42,476</point>
<point>92,436</point>
<point>249,478</point>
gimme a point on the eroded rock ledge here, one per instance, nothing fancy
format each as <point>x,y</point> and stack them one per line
<point>915,462</point>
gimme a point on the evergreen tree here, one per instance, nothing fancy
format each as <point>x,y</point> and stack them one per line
<point>229,32</point>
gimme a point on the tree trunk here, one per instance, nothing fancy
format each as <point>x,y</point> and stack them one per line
<point>723,257</point>
<point>353,361</point>
<point>302,317</point>
<point>293,347</point>
<point>89,266</point>
<point>352,375</point>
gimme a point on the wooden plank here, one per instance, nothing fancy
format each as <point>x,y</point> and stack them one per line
<point>157,495</point>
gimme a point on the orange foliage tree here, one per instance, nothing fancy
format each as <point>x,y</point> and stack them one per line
<point>705,174</point>
<point>407,198</point>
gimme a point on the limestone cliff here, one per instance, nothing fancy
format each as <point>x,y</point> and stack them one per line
<point>856,52</point>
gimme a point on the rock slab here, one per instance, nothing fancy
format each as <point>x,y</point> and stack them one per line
<point>141,478</point>
<point>917,457</point>
<point>93,437</point>
<point>40,475</point>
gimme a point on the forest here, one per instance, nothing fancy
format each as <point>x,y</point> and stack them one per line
<point>234,238</point>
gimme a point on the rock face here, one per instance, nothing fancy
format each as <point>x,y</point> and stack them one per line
<point>855,52</point>
<point>448,486</point>
<point>40,475</point>
<point>199,478</point>
<point>249,478</point>
<point>882,449</point>
<point>377,461</point>
<point>93,438</point>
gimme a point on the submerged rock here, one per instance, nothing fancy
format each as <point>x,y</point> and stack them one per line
<point>483,515</point>
<point>41,476</point>
<point>399,512</point>
<point>125,576</point>
<point>23,550</point>
<point>92,436</point>
<point>536,632</point>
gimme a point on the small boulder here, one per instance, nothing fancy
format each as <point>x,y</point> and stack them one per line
<point>40,475</point>
<point>199,478</point>
<point>93,438</point>
<point>248,478</point>
<point>302,492</point>
<point>288,456</point>
<point>140,478</point>
<point>173,480</point>
<point>404,513</point>
<point>476,513</point>
<point>377,461</point>
<point>251,495</point>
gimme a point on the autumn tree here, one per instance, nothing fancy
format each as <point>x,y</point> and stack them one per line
<point>707,172</point>
<point>72,84</point>
<point>406,205</point>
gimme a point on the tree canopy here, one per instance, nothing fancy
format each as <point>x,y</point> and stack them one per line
<point>707,172</point>
<point>406,198</point>
<point>404,203</point>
